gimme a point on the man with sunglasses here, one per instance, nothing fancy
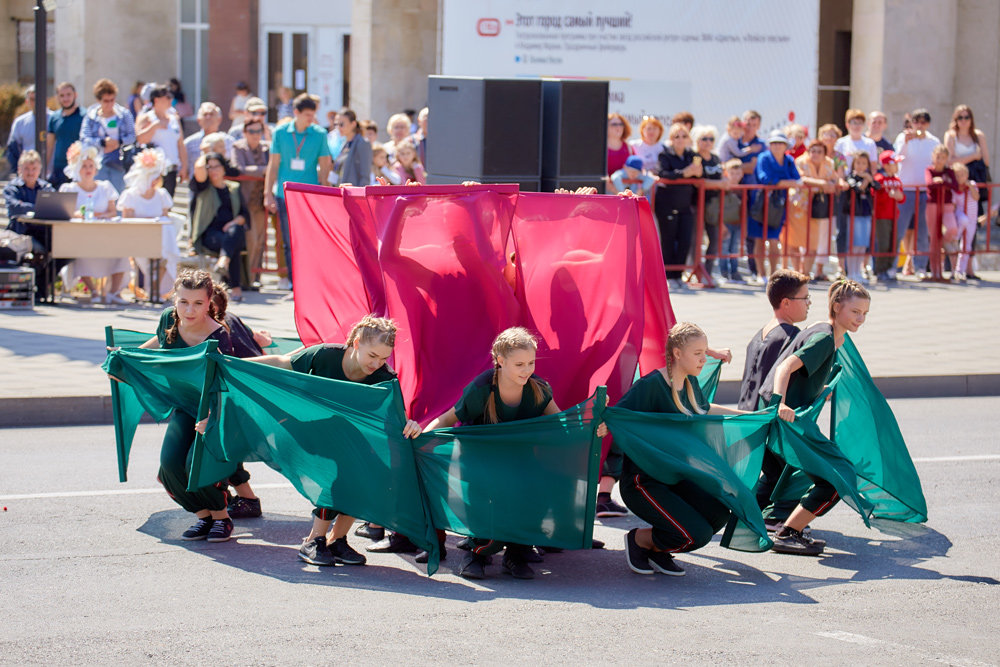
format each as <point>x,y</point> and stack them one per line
<point>255,110</point>
<point>250,155</point>
<point>915,145</point>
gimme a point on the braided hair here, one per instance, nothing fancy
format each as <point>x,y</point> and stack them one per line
<point>373,329</point>
<point>844,289</point>
<point>220,302</point>
<point>509,340</point>
<point>192,279</point>
<point>678,338</point>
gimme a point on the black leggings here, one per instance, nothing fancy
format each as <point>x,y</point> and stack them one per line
<point>819,500</point>
<point>676,229</point>
<point>174,468</point>
<point>683,516</point>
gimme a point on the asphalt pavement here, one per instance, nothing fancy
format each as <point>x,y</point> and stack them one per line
<point>92,572</point>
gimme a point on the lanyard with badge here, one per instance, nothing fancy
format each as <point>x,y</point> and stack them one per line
<point>298,164</point>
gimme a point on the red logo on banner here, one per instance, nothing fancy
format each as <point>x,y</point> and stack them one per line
<point>488,27</point>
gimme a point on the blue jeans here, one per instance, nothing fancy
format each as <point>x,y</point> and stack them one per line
<point>729,267</point>
<point>230,244</point>
<point>112,172</point>
<point>285,233</point>
<point>908,216</point>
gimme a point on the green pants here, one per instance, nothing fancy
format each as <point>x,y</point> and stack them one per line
<point>175,465</point>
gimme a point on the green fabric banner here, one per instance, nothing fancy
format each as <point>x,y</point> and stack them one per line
<point>720,454</point>
<point>866,431</point>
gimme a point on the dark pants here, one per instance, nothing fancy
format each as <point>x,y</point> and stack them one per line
<point>683,516</point>
<point>612,466</point>
<point>484,548</point>
<point>325,513</point>
<point>884,242</point>
<point>41,243</point>
<point>229,244</point>
<point>174,468</point>
<point>170,181</point>
<point>241,476</point>
<point>286,234</point>
<point>819,500</point>
<point>843,233</point>
<point>676,229</point>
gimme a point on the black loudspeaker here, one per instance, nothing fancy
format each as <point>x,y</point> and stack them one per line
<point>524,184</point>
<point>574,128</point>
<point>487,130</point>
<point>571,184</point>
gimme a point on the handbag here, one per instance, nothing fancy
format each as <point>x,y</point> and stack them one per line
<point>820,206</point>
<point>775,208</point>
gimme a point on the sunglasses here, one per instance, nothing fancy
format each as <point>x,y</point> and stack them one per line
<point>258,113</point>
<point>707,139</point>
<point>963,117</point>
<point>254,132</point>
<point>616,124</point>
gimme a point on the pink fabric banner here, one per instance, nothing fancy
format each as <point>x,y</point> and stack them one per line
<point>587,277</point>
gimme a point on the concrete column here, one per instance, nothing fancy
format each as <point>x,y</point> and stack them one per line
<point>393,50</point>
<point>977,68</point>
<point>115,39</point>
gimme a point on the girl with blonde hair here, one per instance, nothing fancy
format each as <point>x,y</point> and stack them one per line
<point>509,391</point>
<point>682,516</point>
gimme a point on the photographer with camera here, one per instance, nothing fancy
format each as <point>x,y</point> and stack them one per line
<point>915,145</point>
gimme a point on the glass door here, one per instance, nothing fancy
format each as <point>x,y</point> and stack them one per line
<point>287,63</point>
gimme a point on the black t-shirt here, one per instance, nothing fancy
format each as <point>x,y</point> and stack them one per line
<point>672,166</point>
<point>817,349</point>
<point>327,360</point>
<point>762,352</point>
<point>711,171</point>
<point>243,343</point>
<point>471,407</point>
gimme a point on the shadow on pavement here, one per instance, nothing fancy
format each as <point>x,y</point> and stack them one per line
<point>599,578</point>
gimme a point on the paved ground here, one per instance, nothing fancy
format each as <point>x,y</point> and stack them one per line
<point>913,330</point>
<point>92,572</point>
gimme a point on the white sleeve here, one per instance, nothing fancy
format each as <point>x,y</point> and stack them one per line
<point>125,200</point>
<point>164,197</point>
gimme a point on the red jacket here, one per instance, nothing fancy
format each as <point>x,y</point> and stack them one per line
<point>885,206</point>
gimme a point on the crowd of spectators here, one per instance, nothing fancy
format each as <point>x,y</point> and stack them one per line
<point>851,192</point>
<point>125,161</point>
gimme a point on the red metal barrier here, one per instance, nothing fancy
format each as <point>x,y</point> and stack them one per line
<point>935,214</point>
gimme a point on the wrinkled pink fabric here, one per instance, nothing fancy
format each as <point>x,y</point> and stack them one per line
<point>587,277</point>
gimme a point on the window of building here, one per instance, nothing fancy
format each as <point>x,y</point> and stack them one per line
<point>192,50</point>
<point>26,52</point>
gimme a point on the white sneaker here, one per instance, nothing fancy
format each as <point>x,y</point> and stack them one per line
<point>284,284</point>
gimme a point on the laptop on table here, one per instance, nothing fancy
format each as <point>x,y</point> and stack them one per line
<point>55,205</point>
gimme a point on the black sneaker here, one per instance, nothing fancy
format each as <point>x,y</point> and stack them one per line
<point>396,543</point>
<point>244,508</point>
<point>222,530</point>
<point>472,567</point>
<point>198,531</point>
<point>465,544</point>
<point>423,556</point>
<point>315,552</point>
<point>516,568</point>
<point>791,541</point>
<point>597,544</point>
<point>533,555</point>
<point>344,554</point>
<point>610,508</point>
<point>664,563</point>
<point>373,534</point>
<point>636,556</point>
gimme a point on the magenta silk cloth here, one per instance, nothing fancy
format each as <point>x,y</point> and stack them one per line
<point>587,277</point>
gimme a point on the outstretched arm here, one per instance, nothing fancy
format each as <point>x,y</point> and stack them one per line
<point>444,421</point>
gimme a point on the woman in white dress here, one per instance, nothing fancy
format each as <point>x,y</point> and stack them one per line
<point>145,197</point>
<point>95,200</point>
<point>162,127</point>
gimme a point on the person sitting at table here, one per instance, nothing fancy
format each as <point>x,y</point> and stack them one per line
<point>19,195</point>
<point>219,220</point>
<point>95,200</point>
<point>146,197</point>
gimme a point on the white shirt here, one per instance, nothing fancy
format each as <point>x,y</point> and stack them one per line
<point>917,154</point>
<point>848,147</point>
<point>97,200</point>
<point>650,154</point>
<point>166,139</point>
<point>142,207</point>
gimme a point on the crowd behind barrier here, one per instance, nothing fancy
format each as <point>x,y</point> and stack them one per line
<point>707,240</point>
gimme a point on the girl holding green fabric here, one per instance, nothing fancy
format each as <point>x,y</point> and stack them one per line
<point>683,517</point>
<point>362,359</point>
<point>797,379</point>
<point>507,392</point>
<point>191,321</point>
